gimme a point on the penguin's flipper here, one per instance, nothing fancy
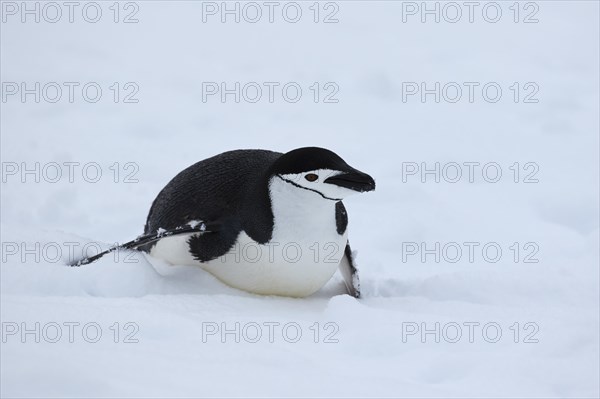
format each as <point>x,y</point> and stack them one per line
<point>192,227</point>
<point>350,273</point>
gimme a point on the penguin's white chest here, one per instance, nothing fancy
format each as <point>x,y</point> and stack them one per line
<point>303,254</point>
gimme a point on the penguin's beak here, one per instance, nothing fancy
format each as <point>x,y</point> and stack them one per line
<point>353,180</point>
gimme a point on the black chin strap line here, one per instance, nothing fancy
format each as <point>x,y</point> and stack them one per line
<point>306,188</point>
<point>194,227</point>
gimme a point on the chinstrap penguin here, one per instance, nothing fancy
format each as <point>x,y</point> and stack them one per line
<point>274,223</point>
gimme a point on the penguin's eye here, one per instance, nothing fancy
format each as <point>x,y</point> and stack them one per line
<point>311,177</point>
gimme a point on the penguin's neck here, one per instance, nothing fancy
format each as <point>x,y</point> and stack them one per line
<point>299,213</point>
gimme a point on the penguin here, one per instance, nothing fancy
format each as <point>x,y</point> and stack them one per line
<point>272,223</point>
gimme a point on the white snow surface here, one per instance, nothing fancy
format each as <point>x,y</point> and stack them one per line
<point>363,348</point>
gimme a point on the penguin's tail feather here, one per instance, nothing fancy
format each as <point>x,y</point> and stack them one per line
<point>192,227</point>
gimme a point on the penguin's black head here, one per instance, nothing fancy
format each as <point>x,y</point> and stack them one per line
<point>322,171</point>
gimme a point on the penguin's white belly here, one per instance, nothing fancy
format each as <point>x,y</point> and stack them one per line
<point>283,267</point>
<point>296,268</point>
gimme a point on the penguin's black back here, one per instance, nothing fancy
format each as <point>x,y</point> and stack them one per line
<point>229,190</point>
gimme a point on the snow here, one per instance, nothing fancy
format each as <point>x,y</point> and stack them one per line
<point>171,319</point>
